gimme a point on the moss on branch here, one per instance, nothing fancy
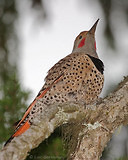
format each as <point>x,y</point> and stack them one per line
<point>99,121</point>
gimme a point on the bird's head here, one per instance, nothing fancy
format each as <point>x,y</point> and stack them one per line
<point>85,42</point>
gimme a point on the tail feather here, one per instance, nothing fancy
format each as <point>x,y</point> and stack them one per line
<point>40,95</point>
<point>21,130</point>
<point>30,107</point>
<point>8,141</point>
<point>16,123</point>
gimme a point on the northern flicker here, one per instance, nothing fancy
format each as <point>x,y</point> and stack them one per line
<point>77,77</point>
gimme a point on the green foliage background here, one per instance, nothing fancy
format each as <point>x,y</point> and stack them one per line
<point>12,97</point>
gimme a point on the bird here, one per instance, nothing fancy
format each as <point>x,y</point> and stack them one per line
<point>77,77</point>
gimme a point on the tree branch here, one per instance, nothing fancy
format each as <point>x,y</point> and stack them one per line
<point>108,115</point>
<point>99,121</point>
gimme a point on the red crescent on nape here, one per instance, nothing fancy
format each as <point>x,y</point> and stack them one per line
<point>95,45</point>
<point>82,43</point>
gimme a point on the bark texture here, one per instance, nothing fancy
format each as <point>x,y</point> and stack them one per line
<point>99,121</point>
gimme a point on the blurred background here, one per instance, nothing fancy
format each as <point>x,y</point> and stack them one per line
<point>34,35</point>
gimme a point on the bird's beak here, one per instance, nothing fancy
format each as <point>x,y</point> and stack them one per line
<point>92,30</point>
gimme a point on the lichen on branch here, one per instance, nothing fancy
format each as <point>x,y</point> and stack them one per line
<point>98,122</point>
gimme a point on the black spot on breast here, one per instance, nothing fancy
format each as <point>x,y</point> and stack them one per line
<point>64,67</point>
<point>98,63</point>
<point>72,94</point>
<point>68,64</point>
<point>32,112</point>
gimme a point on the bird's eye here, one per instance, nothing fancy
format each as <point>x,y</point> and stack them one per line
<point>80,37</point>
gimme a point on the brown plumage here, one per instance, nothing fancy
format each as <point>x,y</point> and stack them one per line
<point>77,77</point>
